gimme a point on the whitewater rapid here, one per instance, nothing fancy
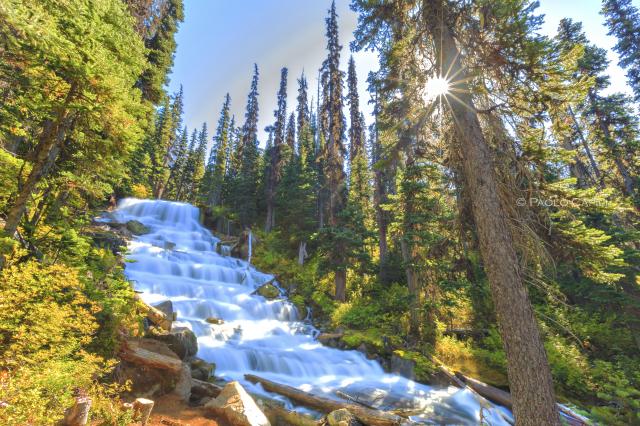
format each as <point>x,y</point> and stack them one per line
<point>177,261</point>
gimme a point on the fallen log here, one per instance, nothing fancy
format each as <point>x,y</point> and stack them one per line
<point>278,415</point>
<point>502,397</point>
<point>154,315</point>
<point>132,352</point>
<point>366,415</point>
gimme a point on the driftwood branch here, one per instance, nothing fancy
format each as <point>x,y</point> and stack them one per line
<point>366,415</point>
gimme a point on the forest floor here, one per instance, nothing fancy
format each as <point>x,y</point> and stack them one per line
<point>169,410</point>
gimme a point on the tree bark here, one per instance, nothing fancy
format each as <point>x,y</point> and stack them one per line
<point>527,365</point>
<point>302,252</point>
<point>340,281</point>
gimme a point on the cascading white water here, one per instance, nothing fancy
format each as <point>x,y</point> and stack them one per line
<point>177,261</point>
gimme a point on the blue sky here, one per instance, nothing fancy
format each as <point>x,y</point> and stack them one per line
<point>221,39</point>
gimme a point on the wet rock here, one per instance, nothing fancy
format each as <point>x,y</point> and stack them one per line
<point>236,406</point>
<point>213,320</point>
<point>137,228</point>
<point>180,340</point>
<point>402,366</point>
<point>201,369</point>
<point>342,417</point>
<point>166,308</point>
<point>268,291</point>
<point>105,238</point>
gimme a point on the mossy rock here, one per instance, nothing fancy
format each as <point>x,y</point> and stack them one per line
<point>423,369</point>
<point>268,291</point>
<point>137,228</point>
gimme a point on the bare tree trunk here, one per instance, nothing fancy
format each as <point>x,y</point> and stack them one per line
<point>302,252</point>
<point>628,187</point>
<point>585,145</point>
<point>578,168</point>
<point>527,366</point>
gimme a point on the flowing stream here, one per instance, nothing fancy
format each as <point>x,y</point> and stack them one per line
<point>177,261</point>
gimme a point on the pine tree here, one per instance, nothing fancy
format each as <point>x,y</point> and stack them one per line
<point>197,164</point>
<point>623,20</point>
<point>248,151</point>
<point>356,143</point>
<point>188,169</point>
<point>451,44</point>
<point>179,155</point>
<point>276,152</point>
<point>66,87</point>
<point>333,128</point>
<point>161,47</point>
<point>217,163</point>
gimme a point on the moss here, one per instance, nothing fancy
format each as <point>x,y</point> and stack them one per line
<point>424,367</point>
<point>137,228</point>
<point>268,291</point>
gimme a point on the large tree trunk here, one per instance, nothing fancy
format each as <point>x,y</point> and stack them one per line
<point>340,281</point>
<point>527,366</point>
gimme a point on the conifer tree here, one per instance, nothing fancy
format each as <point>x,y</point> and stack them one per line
<point>623,20</point>
<point>356,143</point>
<point>451,45</point>
<point>217,163</point>
<point>161,47</point>
<point>333,129</point>
<point>197,165</point>
<point>180,154</point>
<point>188,169</point>
<point>65,86</point>
<point>276,153</point>
<point>248,151</point>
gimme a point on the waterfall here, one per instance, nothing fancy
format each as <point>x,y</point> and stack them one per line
<point>177,261</point>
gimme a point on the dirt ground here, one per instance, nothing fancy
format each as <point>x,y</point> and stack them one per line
<point>169,410</point>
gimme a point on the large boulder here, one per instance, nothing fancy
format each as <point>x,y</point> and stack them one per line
<point>201,369</point>
<point>137,228</point>
<point>166,308</point>
<point>236,406</point>
<point>180,340</point>
<point>268,291</point>
<point>342,417</point>
<point>403,366</point>
<point>151,368</point>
